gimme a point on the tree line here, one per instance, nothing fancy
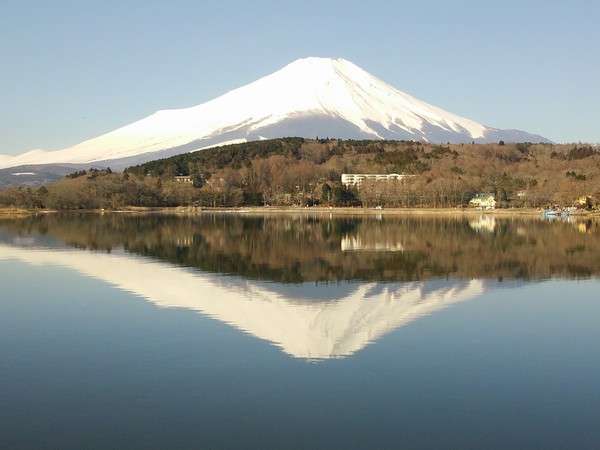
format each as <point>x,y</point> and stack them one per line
<point>301,172</point>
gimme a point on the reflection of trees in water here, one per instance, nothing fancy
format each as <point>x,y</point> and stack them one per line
<point>295,249</point>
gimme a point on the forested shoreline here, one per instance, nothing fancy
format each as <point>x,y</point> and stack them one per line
<point>301,172</point>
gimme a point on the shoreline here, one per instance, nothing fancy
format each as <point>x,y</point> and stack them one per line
<point>315,210</point>
<point>16,212</point>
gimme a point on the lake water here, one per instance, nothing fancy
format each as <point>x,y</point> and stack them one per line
<point>298,332</point>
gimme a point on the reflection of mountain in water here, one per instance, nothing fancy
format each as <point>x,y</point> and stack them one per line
<point>305,321</point>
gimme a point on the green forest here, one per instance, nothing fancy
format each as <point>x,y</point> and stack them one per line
<point>307,172</point>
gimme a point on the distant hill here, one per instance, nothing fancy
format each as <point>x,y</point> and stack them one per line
<point>34,175</point>
<point>233,155</point>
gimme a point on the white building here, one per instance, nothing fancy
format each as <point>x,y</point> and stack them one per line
<point>184,179</point>
<point>483,201</point>
<point>356,179</point>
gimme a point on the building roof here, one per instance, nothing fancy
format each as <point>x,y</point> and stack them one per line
<point>482,196</point>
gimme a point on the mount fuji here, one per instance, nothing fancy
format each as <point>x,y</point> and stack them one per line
<point>307,98</point>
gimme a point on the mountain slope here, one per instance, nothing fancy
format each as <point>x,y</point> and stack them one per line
<point>309,97</point>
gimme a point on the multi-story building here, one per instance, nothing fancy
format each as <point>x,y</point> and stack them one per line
<point>356,179</point>
<point>184,179</point>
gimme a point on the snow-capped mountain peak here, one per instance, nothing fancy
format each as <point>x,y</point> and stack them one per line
<point>308,97</point>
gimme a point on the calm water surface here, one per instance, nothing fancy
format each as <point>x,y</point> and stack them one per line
<point>230,332</point>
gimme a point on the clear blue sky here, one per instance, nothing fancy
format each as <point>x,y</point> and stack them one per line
<point>71,70</point>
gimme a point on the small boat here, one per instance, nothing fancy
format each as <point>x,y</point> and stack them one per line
<point>551,212</point>
<point>557,212</point>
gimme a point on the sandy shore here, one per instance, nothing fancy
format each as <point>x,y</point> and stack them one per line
<point>340,211</point>
<point>372,211</point>
<point>15,212</point>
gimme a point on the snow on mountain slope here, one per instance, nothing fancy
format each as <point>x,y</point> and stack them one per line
<point>309,97</point>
